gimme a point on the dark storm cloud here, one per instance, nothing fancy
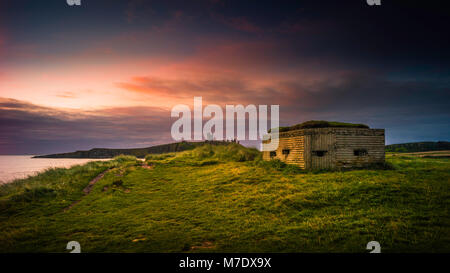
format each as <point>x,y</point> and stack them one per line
<point>387,66</point>
<point>411,32</point>
<point>410,110</point>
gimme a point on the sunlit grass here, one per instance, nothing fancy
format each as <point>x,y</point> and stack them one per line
<point>226,199</point>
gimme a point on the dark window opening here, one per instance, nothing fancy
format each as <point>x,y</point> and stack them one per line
<point>319,153</point>
<point>285,151</point>
<point>272,154</point>
<point>360,152</point>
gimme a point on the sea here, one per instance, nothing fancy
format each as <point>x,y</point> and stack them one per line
<point>21,166</point>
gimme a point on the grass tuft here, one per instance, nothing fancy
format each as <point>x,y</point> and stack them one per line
<point>320,124</point>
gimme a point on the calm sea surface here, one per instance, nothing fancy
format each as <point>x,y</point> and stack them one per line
<point>22,166</point>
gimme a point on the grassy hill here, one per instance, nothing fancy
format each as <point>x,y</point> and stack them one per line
<point>224,198</point>
<point>138,152</point>
<point>414,147</point>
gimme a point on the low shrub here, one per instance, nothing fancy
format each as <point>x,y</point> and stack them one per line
<point>157,157</point>
<point>124,158</point>
<point>231,152</point>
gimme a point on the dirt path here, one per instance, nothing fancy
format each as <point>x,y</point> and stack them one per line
<point>91,184</point>
<point>88,188</point>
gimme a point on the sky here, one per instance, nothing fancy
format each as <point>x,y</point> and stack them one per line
<point>107,73</point>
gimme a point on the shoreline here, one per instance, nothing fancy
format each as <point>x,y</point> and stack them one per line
<point>19,167</point>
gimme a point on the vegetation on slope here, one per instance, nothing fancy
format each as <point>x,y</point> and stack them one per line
<point>321,124</point>
<point>224,198</point>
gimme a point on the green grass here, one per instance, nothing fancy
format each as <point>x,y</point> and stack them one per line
<point>320,124</point>
<point>225,199</point>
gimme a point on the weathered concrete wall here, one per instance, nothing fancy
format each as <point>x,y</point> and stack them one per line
<point>329,148</point>
<point>323,144</point>
<point>296,147</point>
<point>370,140</point>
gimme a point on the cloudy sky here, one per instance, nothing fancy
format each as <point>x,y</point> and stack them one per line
<point>107,73</point>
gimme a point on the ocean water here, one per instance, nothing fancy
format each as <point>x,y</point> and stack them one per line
<point>21,166</point>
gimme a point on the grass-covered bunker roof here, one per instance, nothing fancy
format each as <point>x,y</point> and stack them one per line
<point>321,124</point>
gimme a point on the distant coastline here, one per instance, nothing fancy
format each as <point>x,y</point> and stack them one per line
<point>14,167</point>
<point>102,153</point>
<point>414,147</point>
